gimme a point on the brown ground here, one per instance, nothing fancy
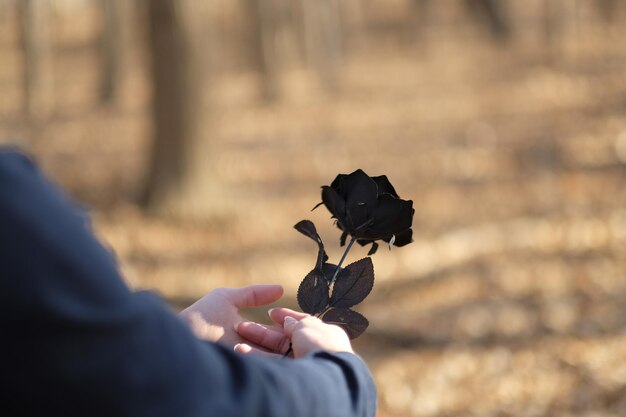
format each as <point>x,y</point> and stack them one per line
<point>511,299</point>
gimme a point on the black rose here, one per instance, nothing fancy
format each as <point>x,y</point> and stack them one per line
<point>369,209</point>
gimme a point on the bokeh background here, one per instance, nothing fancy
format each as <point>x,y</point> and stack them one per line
<point>198,132</point>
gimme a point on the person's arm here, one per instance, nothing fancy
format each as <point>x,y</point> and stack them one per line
<point>76,341</point>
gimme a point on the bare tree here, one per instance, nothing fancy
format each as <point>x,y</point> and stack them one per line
<point>492,14</point>
<point>418,17</point>
<point>323,39</point>
<point>180,179</point>
<point>115,44</point>
<point>608,10</point>
<point>38,75</point>
<point>263,19</point>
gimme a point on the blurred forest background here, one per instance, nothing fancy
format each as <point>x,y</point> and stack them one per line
<point>199,132</point>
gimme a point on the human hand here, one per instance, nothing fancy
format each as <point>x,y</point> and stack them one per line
<point>215,316</point>
<point>307,334</point>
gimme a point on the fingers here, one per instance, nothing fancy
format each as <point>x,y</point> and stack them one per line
<point>310,333</point>
<point>249,350</point>
<point>289,325</point>
<point>271,338</point>
<point>278,315</point>
<point>255,295</point>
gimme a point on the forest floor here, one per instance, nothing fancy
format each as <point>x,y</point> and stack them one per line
<point>510,302</point>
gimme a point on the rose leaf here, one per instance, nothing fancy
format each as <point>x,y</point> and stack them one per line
<point>353,284</point>
<point>307,228</point>
<point>313,292</point>
<point>329,271</point>
<point>352,322</point>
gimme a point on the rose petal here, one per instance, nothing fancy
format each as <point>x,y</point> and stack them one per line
<point>403,238</point>
<point>361,197</point>
<point>335,204</point>
<point>406,215</point>
<point>359,186</point>
<point>358,217</point>
<point>392,216</point>
<point>384,186</point>
<point>337,185</point>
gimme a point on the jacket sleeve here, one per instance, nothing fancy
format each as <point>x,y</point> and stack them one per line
<point>76,341</point>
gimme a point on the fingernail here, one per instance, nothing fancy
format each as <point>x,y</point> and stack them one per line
<point>270,310</point>
<point>289,321</point>
<point>241,347</point>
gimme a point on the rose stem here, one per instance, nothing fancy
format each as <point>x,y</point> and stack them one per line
<point>343,258</point>
<point>332,281</point>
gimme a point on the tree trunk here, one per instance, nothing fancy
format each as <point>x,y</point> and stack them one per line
<point>181,180</point>
<point>608,10</point>
<point>263,33</point>
<point>417,19</point>
<point>38,75</point>
<point>492,14</point>
<point>322,24</point>
<point>115,43</point>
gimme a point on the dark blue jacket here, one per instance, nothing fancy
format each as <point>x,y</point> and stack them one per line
<point>75,341</point>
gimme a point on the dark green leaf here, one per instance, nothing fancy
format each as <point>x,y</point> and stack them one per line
<point>353,284</point>
<point>313,292</point>
<point>307,228</point>
<point>352,322</point>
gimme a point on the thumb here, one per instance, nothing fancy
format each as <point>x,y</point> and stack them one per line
<point>255,295</point>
